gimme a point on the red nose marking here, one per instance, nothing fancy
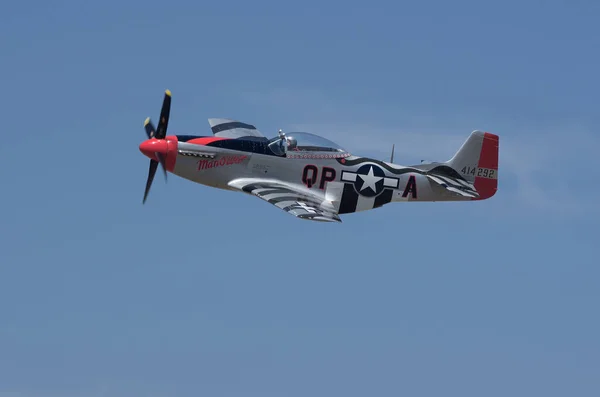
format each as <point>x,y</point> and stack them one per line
<point>167,147</point>
<point>152,146</point>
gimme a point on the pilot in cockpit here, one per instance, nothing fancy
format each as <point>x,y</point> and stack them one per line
<point>283,143</point>
<point>292,143</point>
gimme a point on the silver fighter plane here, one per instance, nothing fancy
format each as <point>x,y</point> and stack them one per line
<point>311,177</point>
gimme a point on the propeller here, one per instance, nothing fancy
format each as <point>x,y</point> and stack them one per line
<point>158,133</point>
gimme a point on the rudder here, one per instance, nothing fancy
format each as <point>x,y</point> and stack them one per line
<point>477,162</point>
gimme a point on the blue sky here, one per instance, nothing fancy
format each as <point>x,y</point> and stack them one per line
<point>206,292</point>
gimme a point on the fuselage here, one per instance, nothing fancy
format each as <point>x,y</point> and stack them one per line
<point>359,183</point>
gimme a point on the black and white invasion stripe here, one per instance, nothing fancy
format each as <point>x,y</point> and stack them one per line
<point>291,201</point>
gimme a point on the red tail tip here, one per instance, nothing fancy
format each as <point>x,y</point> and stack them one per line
<point>486,180</point>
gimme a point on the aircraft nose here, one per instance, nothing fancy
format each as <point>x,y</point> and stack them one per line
<point>152,146</point>
<point>167,147</point>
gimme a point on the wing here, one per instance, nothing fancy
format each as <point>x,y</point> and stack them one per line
<point>227,128</point>
<point>455,185</point>
<point>290,198</point>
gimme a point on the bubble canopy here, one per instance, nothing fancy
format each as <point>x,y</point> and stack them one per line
<point>298,142</point>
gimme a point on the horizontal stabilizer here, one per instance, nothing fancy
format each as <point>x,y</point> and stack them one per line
<point>454,185</point>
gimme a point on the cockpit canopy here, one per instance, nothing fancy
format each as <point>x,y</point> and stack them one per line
<point>305,144</point>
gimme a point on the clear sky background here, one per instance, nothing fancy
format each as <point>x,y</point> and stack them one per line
<point>202,292</point>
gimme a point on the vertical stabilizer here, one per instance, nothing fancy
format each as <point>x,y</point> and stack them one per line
<point>477,162</point>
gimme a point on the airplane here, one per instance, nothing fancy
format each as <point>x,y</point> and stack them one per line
<point>311,177</point>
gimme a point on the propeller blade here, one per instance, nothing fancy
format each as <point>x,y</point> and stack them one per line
<point>158,133</point>
<point>149,127</point>
<point>151,172</point>
<point>161,159</point>
<point>163,123</point>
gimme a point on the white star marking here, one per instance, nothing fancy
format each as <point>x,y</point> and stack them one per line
<point>369,180</point>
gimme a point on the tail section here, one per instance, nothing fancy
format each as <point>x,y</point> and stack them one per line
<point>477,162</point>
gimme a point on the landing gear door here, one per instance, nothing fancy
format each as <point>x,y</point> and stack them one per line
<point>333,194</point>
